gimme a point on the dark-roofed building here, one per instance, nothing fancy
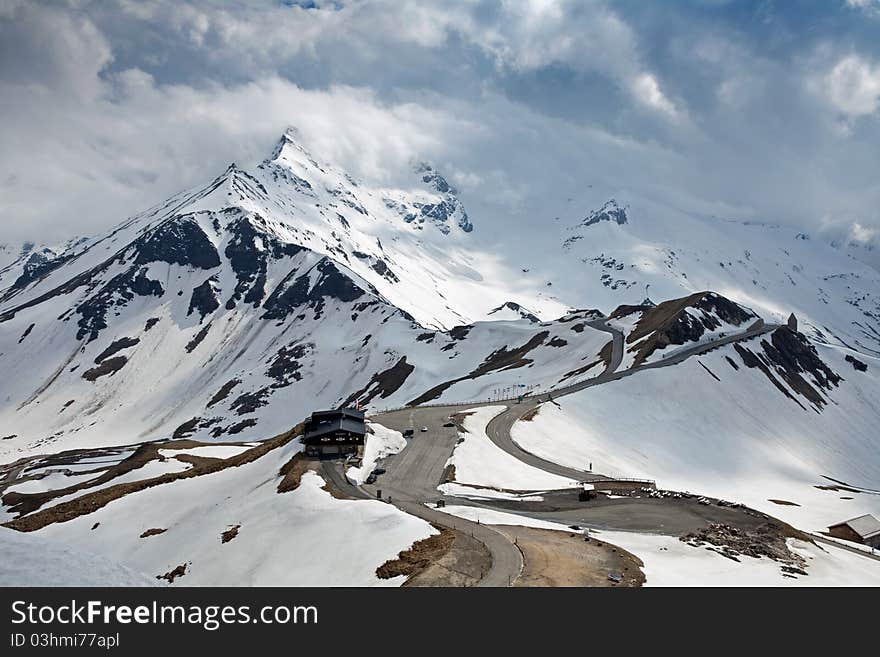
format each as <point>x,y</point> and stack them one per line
<point>336,432</point>
<point>864,529</point>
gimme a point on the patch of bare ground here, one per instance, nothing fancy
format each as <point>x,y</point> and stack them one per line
<point>196,461</point>
<point>172,575</point>
<point>110,366</point>
<point>223,393</point>
<point>605,358</point>
<point>465,564</point>
<point>292,472</point>
<point>531,414</point>
<point>458,419</point>
<point>385,383</point>
<point>229,534</point>
<point>92,501</point>
<point>418,557</point>
<point>667,323</point>
<point>498,360</point>
<point>566,559</point>
<point>155,531</point>
<point>765,540</point>
<point>784,502</point>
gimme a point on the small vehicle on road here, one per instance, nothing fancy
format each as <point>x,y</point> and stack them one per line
<point>424,429</point>
<point>408,433</point>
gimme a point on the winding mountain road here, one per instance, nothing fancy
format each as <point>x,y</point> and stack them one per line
<point>499,428</point>
<point>413,475</point>
<point>411,481</point>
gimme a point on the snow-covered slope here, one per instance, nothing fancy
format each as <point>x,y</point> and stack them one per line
<point>258,298</point>
<point>669,561</point>
<point>243,515</point>
<point>29,560</point>
<point>20,265</point>
<point>768,419</point>
<point>619,255</point>
<point>228,312</point>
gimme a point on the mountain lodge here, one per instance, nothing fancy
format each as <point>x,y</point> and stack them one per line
<point>864,529</point>
<point>334,433</point>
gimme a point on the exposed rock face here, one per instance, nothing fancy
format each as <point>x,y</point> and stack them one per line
<point>384,384</point>
<point>766,540</point>
<point>115,347</point>
<point>680,321</point>
<point>502,358</point>
<point>858,365</point>
<point>203,300</point>
<point>523,313</point>
<point>793,359</point>
<point>298,290</point>
<point>287,363</point>
<point>118,292</point>
<point>249,252</point>
<point>611,211</point>
<point>448,210</point>
<point>38,264</point>
<point>177,241</point>
<point>107,367</point>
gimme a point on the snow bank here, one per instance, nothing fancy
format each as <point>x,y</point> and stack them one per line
<point>738,439</point>
<point>670,562</point>
<point>379,444</point>
<point>492,517</point>
<point>478,461</point>
<point>208,451</point>
<point>28,560</point>
<point>304,537</point>
<point>462,490</point>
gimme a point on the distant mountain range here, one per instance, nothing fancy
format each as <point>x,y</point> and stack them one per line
<point>235,308</point>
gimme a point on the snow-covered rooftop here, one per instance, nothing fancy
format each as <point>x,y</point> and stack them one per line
<point>865,526</point>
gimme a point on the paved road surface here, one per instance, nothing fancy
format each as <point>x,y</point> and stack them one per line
<point>499,428</point>
<point>821,539</point>
<point>411,481</point>
<point>412,475</point>
<point>616,342</point>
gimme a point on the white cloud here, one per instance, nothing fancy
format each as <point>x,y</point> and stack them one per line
<point>863,234</point>
<point>585,37</point>
<point>865,5</point>
<point>647,90</point>
<point>139,142</point>
<point>852,86</point>
<point>89,136</point>
<point>69,56</point>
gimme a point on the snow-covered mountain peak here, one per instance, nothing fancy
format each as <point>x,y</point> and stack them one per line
<point>290,151</point>
<point>511,310</point>
<point>610,211</point>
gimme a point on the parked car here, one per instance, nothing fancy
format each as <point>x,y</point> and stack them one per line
<point>424,429</point>
<point>408,433</point>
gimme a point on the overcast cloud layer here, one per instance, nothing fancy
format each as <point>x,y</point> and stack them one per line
<point>751,110</point>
